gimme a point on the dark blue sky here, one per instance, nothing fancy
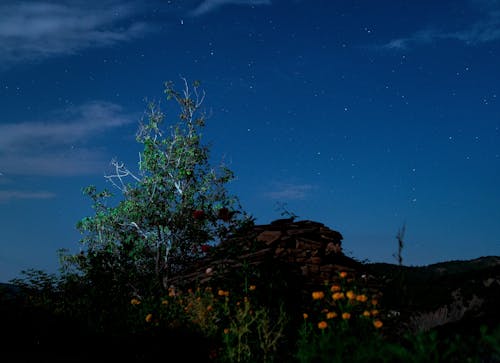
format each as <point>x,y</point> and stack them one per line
<point>361,115</point>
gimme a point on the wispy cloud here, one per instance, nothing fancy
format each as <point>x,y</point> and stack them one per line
<point>288,191</point>
<point>35,30</point>
<point>486,29</point>
<point>209,5</point>
<point>7,195</point>
<point>54,147</point>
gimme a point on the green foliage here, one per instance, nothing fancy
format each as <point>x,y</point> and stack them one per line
<point>176,205</point>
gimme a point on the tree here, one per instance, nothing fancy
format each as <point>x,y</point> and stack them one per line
<point>173,211</point>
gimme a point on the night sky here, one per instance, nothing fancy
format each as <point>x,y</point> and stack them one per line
<point>362,115</point>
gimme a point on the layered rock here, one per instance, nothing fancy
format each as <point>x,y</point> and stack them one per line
<point>310,252</point>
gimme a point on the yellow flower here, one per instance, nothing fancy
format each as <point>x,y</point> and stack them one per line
<point>164,302</point>
<point>361,298</point>
<point>350,295</point>
<point>223,293</point>
<point>331,315</point>
<point>305,316</point>
<point>377,324</point>
<point>366,313</point>
<point>135,301</point>
<point>335,288</point>
<point>322,325</point>
<point>346,316</point>
<point>338,296</point>
<point>171,292</point>
<point>343,274</point>
<point>374,312</point>
<point>252,287</point>
<point>149,317</point>
<point>318,295</point>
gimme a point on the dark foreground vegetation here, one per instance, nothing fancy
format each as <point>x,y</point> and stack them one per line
<point>424,322</point>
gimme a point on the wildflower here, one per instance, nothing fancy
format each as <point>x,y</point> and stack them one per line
<point>171,291</point>
<point>322,325</point>
<point>305,316</point>
<point>221,292</point>
<point>343,274</point>
<point>374,312</point>
<point>135,301</point>
<point>361,298</point>
<point>149,317</point>
<point>377,324</point>
<point>252,287</point>
<point>350,295</point>
<point>226,331</point>
<point>335,288</point>
<point>366,314</point>
<point>338,296</point>
<point>164,302</point>
<point>209,308</point>
<point>374,302</point>
<point>346,316</point>
<point>331,315</point>
<point>318,295</point>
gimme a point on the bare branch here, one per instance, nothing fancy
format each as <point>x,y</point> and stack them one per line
<point>121,172</point>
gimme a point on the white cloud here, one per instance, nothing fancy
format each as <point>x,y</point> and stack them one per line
<point>486,29</point>
<point>288,191</point>
<point>209,5</point>
<point>54,148</point>
<point>35,30</point>
<point>6,195</point>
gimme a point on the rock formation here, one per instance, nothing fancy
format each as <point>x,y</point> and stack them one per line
<point>310,252</point>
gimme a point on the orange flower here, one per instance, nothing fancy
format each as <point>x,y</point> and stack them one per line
<point>335,288</point>
<point>226,331</point>
<point>209,308</point>
<point>374,312</point>
<point>366,313</point>
<point>374,302</point>
<point>252,287</point>
<point>223,293</point>
<point>135,301</point>
<point>346,316</point>
<point>318,295</point>
<point>305,316</point>
<point>322,325</point>
<point>338,296</point>
<point>331,315</point>
<point>361,298</point>
<point>343,274</point>
<point>164,302</point>
<point>377,324</point>
<point>350,295</point>
<point>149,317</point>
